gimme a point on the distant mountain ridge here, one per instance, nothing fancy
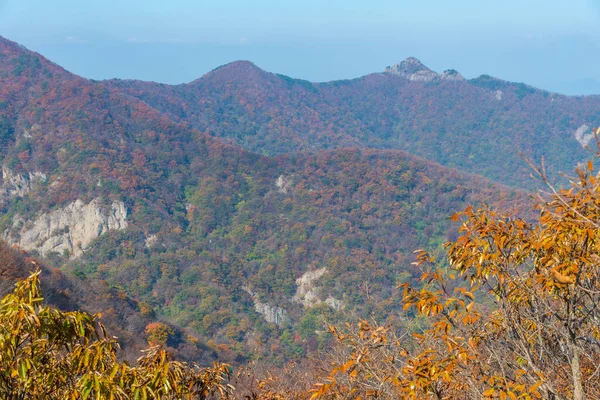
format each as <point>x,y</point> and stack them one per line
<point>480,125</point>
<point>413,70</point>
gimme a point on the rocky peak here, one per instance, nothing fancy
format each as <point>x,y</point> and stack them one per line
<point>412,69</point>
<point>452,75</point>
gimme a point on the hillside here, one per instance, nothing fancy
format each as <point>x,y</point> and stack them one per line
<point>260,262</point>
<point>249,252</point>
<point>122,316</point>
<point>480,125</point>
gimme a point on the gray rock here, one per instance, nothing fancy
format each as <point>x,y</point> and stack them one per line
<point>452,75</point>
<point>413,70</point>
<point>272,314</point>
<point>71,228</point>
<point>17,185</point>
<point>582,135</point>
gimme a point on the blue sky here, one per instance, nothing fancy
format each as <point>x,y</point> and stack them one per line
<point>551,44</point>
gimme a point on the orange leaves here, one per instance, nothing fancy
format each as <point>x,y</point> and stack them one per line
<point>525,301</point>
<point>49,354</point>
<point>426,302</point>
<point>560,278</point>
<point>158,333</point>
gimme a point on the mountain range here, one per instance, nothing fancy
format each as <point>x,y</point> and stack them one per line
<point>480,125</point>
<point>246,207</point>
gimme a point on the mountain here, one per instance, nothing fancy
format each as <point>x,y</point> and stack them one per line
<point>479,125</point>
<point>81,160</point>
<point>144,188</point>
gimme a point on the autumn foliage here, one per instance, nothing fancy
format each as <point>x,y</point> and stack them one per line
<point>513,314</point>
<point>206,219</point>
<point>48,354</point>
<point>158,333</point>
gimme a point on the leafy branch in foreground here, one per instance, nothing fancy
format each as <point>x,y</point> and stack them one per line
<point>516,316</point>
<point>49,354</point>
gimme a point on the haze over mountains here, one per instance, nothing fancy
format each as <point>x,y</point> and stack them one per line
<point>245,205</point>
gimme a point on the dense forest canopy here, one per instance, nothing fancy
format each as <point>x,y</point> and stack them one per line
<point>513,314</point>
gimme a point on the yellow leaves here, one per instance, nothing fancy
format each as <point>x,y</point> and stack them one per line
<point>67,355</point>
<point>322,389</point>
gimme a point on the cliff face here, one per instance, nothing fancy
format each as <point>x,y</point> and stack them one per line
<point>271,313</point>
<point>71,228</point>
<point>17,185</point>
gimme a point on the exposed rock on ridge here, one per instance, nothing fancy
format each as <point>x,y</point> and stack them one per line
<point>17,185</point>
<point>413,70</point>
<point>71,228</point>
<point>583,136</point>
<point>307,293</point>
<point>452,75</point>
<point>272,314</point>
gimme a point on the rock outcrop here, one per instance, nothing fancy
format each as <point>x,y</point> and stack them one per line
<point>583,135</point>
<point>70,229</point>
<point>283,184</point>
<point>451,75</point>
<point>414,70</point>
<point>150,241</point>
<point>308,294</point>
<point>272,314</point>
<point>18,185</point>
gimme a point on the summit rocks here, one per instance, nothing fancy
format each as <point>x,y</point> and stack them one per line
<point>414,70</point>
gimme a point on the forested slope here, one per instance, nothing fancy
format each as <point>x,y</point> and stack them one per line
<point>249,252</point>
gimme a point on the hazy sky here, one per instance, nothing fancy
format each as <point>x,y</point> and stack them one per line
<point>548,43</point>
